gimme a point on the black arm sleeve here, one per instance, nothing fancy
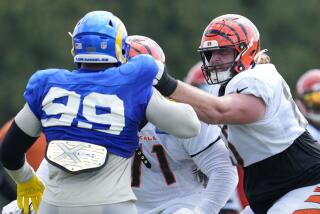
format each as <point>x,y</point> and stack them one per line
<point>167,84</point>
<point>14,146</point>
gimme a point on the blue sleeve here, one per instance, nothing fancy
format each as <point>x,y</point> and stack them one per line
<point>148,72</point>
<point>148,69</point>
<point>144,69</point>
<point>33,92</point>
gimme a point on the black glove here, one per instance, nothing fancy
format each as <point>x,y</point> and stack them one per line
<point>201,177</point>
<point>166,84</point>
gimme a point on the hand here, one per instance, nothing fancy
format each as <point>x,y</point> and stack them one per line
<point>201,177</point>
<point>30,190</point>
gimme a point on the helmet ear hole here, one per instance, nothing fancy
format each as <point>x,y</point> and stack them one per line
<point>252,53</point>
<point>110,23</point>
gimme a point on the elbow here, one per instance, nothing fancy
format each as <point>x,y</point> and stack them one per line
<point>192,126</point>
<point>192,130</point>
<point>188,130</point>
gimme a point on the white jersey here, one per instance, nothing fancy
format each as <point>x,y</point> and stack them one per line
<point>281,124</point>
<point>315,132</point>
<point>171,174</point>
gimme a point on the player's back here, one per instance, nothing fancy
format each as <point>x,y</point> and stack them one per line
<point>100,107</point>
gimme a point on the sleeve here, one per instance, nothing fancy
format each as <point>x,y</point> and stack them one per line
<point>253,86</point>
<point>178,119</point>
<point>143,69</point>
<point>23,132</point>
<point>32,93</point>
<point>207,136</point>
<point>28,122</point>
<point>223,178</point>
<point>148,69</point>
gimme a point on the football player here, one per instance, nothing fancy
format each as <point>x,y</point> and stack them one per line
<point>90,118</point>
<point>165,178</point>
<point>308,100</point>
<point>281,160</point>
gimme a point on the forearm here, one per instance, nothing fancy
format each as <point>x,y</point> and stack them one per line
<point>23,132</point>
<point>215,197</point>
<point>184,93</point>
<point>205,105</point>
<point>223,178</point>
<point>178,119</point>
<point>14,146</point>
<point>229,109</point>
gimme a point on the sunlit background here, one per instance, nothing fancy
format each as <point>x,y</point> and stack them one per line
<point>34,35</point>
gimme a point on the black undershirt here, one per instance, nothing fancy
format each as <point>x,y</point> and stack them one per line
<point>268,180</point>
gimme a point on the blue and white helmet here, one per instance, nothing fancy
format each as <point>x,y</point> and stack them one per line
<point>100,37</point>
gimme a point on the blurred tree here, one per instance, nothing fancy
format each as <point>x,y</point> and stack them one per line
<point>34,34</point>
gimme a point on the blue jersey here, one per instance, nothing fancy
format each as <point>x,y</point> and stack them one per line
<point>103,107</point>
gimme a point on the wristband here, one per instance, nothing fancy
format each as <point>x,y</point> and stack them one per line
<point>167,84</point>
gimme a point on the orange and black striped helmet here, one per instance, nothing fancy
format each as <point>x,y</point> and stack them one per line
<point>229,31</point>
<point>308,94</point>
<point>144,45</point>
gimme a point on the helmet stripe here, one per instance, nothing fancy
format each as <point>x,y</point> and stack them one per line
<point>232,29</point>
<point>242,28</point>
<point>136,50</point>
<point>146,47</point>
<point>217,32</point>
<point>118,44</point>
